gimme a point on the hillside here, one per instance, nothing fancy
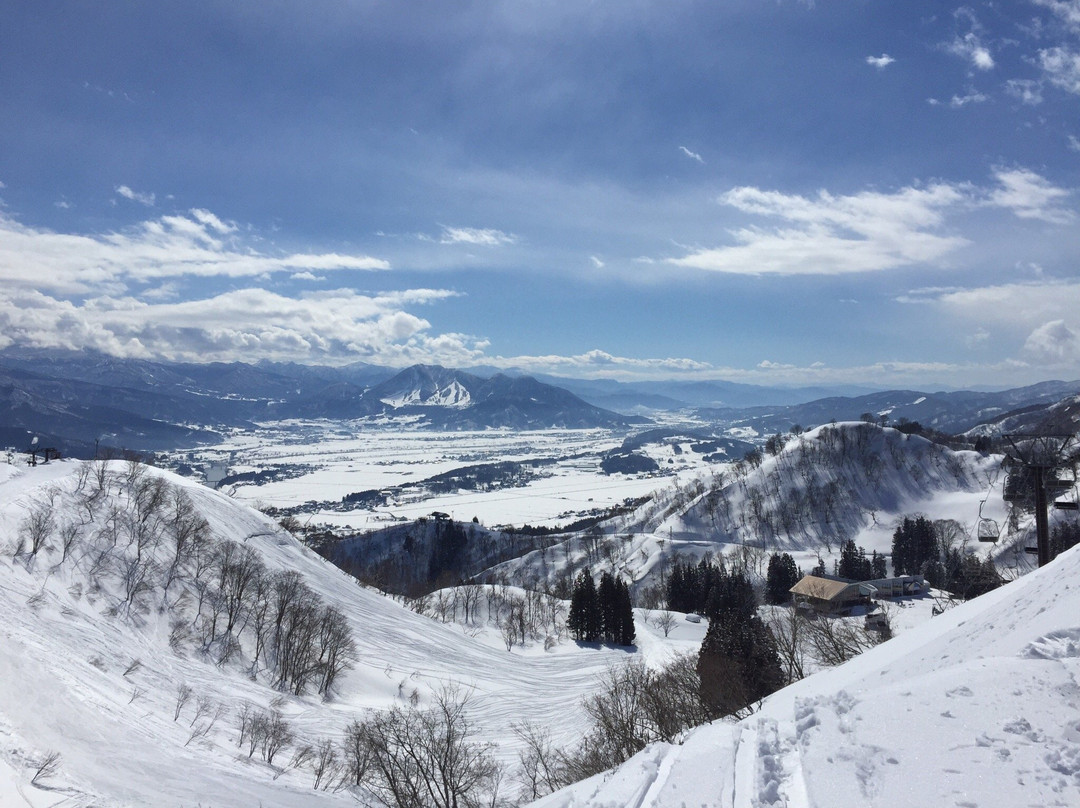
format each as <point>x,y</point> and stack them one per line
<point>834,483</point>
<point>976,708</point>
<point>113,617</point>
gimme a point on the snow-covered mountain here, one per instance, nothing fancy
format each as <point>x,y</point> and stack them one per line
<point>948,412</point>
<point>1061,417</point>
<point>102,636</point>
<point>978,707</point>
<point>452,399</point>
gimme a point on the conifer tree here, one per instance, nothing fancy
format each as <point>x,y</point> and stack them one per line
<point>782,574</point>
<point>738,664</point>
<point>584,620</point>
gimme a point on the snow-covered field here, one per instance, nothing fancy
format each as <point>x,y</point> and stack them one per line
<point>351,456</point>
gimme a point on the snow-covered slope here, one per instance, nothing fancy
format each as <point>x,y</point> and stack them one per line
<point>979,707</point>
<point>834,483</point>
<point>93,675</point>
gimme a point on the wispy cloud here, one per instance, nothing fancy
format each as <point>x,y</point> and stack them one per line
<point>971,48</point>
<point>1062,68</point>
<point>834,235</point>
<point>692,155</point>
<point>135,196</point>
<point>1026,305</point>
<point>880,62</point>
<point>973,97</point>
<point>1031,196</point>
<point>868,231</point>
<point>483,237</point>
<point>1027,91</point>
<point>1067,10</point>
<point>197,244</point>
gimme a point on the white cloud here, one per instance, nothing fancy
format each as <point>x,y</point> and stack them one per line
<point>601,364</point>
<point>1027,91</point>
<point>974,97</point>
<point>1074,143</point>
<point>1062,68</point>
<point>142,198</point>
<point>597,262</point>
<point>692,155</point>
<point>971,48</point>
<point>833,235</point>
<point>1007,306</point>
<point>172,246</point>
<point>1053,343</point>
<point>306,276</point>
<point>1030,196</point>
<point>1067,10</point>
<point>331,326</point>
<point>880,62</point>
<point>484,237</point>
<point>207,218</point>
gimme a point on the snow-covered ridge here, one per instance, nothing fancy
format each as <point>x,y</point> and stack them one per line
<point>93,656</point>
<point>452,395</point>
<point>979,707</point>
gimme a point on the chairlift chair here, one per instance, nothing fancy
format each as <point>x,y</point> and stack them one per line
<point>988,530</point>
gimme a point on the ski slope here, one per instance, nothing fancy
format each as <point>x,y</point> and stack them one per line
<point>979,708</point>
<point>65,683</point>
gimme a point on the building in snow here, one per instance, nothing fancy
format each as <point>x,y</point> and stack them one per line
<point>832,595</point>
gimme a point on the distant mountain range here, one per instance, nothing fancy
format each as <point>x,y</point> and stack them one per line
<point>951,412</point>
<point>78,401</point>
<point>454,399</point>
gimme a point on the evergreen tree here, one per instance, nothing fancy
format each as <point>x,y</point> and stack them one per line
<point>583,620</point>
<point>607,601</point>
<point>914,544</point>
<point>782,574</point>
<point>738,664</point>
<point>731,593</point>
<point>624,614</point>
<point>877,565</point>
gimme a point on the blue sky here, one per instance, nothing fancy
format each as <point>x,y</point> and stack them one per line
<point>844,191</point>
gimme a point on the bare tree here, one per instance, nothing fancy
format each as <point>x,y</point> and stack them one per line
<point>542,769</point>
<point>48,767</point>
<point>276,736</point>
<point>36,527</point>
<point>324,763</point>
<point>789,627</point>
<point>69,536</point>
<point>183,694</point>
<point>429,758</point>
<point>834,641</point>
<point>665,621</point>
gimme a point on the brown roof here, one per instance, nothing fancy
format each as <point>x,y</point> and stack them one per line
<point>820,588</point>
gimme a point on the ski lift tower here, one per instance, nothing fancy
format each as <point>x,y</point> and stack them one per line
<point>1039,468</point>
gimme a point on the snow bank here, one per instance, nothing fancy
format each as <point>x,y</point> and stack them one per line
<point>979,707</point>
